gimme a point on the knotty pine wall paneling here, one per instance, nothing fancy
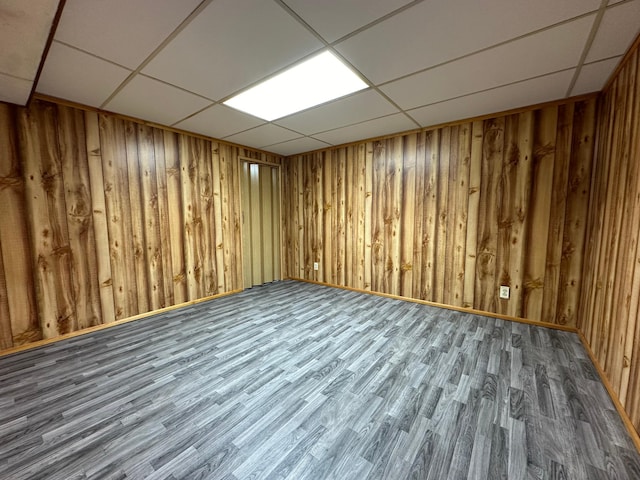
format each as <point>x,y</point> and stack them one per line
<point>610,300</point>
<point>19,322</point>
<point>103,218</point>
<point>450,214</point>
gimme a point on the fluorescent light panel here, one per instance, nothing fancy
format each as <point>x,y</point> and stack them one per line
<point>318,80</point>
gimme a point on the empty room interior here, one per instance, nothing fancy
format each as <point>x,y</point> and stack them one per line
<point>298,239</point>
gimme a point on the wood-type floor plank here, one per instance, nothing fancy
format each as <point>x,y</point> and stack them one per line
<point>299,381</point>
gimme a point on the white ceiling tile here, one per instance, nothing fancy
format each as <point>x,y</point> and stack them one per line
<point>593,76</point>
<point>373,128</point>
<point>618,29</point>
<point>74,75</point>
<point>230,45</point>
<point>14,90</point>
<point>354,109</point>
<point>219,121</point>
<point>335,18</point>
<point>263,135</point>
<point>538,54</point>
<point>436,31</point>
<point>299,145</point>
<point>155,101</point>
<point>24,29</point>
<point>123,31</point>
<point>529,92</point>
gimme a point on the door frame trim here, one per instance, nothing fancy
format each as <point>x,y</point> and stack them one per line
<point>250,160</point>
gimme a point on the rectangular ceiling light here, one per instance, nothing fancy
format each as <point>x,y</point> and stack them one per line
<point>318,80</point>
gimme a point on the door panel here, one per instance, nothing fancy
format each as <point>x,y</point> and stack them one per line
<point>261,223</point>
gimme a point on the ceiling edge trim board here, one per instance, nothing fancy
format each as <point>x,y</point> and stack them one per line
<point>536,106</point>
<point>630,51</point>
<point>47,46</point>
<point>512,111</point>
<point>87,108</point>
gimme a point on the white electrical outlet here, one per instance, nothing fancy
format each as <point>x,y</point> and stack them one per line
<point>315,265</point>
<point>504,292</point>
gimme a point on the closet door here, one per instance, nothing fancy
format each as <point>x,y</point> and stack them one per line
<point>260,223</point>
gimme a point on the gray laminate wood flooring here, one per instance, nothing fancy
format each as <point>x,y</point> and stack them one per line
<point>300,381</point>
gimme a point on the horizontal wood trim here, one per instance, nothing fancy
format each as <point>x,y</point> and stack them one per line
<point>513,111</point>
<point>473,311</point>
<point>97,328</point>
<point>87,108</point>
<point>624,416</point>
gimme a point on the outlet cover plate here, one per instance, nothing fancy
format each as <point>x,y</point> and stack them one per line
<point>315,265</point>
<point>504,292</point>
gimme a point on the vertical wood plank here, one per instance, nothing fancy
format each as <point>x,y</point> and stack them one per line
<point>430,215</point>
<point>418,210</point>
<point>442,285</point>
<point>461,213</point>
<point>407,213</point>
<point>209,240</point>
<point>348,212</point>
<point>6,337</point>
<point>99,212</point>
<point>449,182</point>
<point>520,213</point>
<point>150,216</point>
<point>277,223</point>
<point>368,215</point>
<point>576,213</point>
<point>222,248</point>
<point>556,220</point>
<point>190,151</point>
<point>300,231</point>
<point>378,219</point>
<point>492,153</point>
<point>339,240</point>
<point>310,242</point>
<point>48,220</point>
<point>545,122</point>
<point>506,208</point>
<point>178,275</point>
<point>327,217</point>
<point>393,203</point>
<point>163,218</point>
<point>139,254</point>
<point>15,244</point>
<point>318,214</point>
<point>475,170</point>
<point>83,261</point>
<point>116,188</point>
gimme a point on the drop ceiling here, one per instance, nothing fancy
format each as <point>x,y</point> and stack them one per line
<point>426,62</point>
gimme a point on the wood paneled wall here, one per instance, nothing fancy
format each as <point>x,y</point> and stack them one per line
<point>610,301</point>
<point>450,214</point>
<point>103,218</point>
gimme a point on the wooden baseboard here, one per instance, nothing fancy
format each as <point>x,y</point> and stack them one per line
<point>612,393</point>
<point>448,307</point>
<point>47,341</point>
